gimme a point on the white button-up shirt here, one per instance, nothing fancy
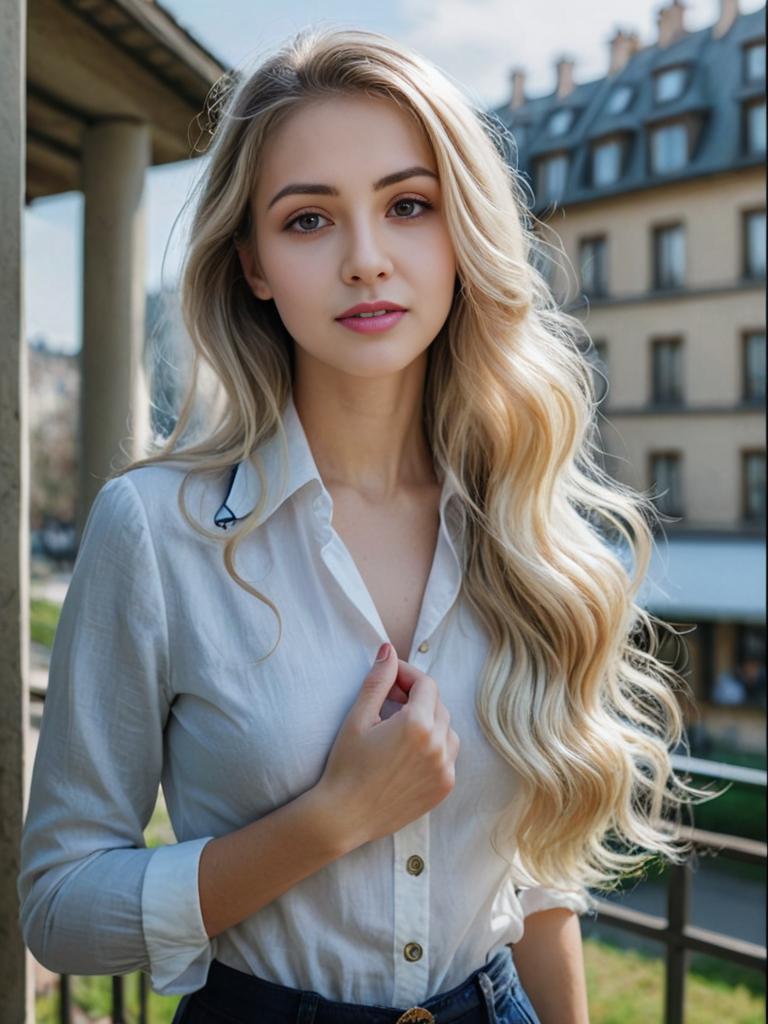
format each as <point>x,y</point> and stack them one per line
<point>153,680</point>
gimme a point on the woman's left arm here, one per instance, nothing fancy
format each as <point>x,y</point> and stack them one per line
<point>550,961</point>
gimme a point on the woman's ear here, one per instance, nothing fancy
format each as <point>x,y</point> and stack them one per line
<point>250,265</point>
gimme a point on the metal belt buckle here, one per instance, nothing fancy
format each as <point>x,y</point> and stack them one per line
<point>416,1015</point>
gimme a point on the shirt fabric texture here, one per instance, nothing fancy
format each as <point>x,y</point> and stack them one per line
<point>152,680</point>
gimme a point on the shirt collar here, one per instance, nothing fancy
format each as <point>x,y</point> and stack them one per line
<point>245,486</point>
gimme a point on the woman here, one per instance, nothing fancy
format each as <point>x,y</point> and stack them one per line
<point>403,464</point>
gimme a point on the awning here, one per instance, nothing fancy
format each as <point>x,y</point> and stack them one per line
<point>694,578</point>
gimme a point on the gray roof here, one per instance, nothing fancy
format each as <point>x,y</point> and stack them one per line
<point>713,95</point>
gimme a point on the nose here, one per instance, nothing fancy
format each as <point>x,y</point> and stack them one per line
<point>365,259</point>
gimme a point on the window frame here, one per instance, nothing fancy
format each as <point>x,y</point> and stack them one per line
<point>747,138</point>
<point>612,141</point>
<point>748,271</point>
<point>675,343</point>
<point>683,70</point>
<point>657,285</point>
<point>602,285</point>
<point>746,455</point>
<point>749,46</point>
<point>676,457</point>
<point>657,130</point>
<point>623,89</point>
<point>545,195</point>
<point>746,336</point>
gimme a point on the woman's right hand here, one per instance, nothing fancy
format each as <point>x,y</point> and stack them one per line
<point>381,775</point>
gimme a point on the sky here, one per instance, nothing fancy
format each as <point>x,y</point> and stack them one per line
<point>476,42</point>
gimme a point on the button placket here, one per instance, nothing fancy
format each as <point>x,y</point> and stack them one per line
<point>411,939</point>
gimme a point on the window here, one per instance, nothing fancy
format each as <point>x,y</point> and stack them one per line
<point>754,62</point>
<point>597,355</point>
<point>753,485</point>
<point>666,482</point>
<point>619,99</point>
<point>592,265</point>
<point>606,162</point>
<point>754,128</point>
<point>669,148</point>
<point>753,226</point>
<point>669,84</point>
<point>552,175</point>
<point>669,257</point>
<point>743,682</point>
<point>560,122</point>
<point>753,366</point>
<point>666,373</point>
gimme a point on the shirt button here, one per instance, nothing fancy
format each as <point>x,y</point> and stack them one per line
<point>317,504</point>
<point>415,864</point>
<point>423,646</point>
<point>412,951</point>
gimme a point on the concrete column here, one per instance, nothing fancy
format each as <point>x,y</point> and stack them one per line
<point>16,964</point>
<point>114,403</point>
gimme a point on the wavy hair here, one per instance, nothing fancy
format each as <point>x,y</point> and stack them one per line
<point>573,694</point>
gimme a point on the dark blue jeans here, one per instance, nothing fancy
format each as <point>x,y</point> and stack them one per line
<point>490,995</point>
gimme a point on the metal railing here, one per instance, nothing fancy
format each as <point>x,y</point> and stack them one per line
<point>675,931</point>
<point>679,936</point>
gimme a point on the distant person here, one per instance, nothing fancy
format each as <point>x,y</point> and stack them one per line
<point>729,688</point>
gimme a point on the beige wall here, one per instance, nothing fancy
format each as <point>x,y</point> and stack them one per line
<point>710,319</point>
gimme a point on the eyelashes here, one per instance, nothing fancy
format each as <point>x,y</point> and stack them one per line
<point>405,199</point>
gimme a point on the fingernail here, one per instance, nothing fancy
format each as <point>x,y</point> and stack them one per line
<point>383,652</point>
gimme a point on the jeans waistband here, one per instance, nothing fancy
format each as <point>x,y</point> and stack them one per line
<point>247,998</point>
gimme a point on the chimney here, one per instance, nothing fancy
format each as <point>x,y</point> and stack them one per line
<point>565,83</point>
<point>517,77</point>
<point>623,46</point>
<point>670,22</point>
<point>729,12</point>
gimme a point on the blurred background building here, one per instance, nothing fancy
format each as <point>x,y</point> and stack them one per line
<point>653,180</point>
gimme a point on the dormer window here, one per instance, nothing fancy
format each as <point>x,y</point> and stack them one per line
<point>552,175</point>
<point>606,162</point>
<point>754,62</point>
<point>754,127</point>
<point>669,148</point>
<point>619,99</point>
<point>560,122</point>
<point>669,84</point>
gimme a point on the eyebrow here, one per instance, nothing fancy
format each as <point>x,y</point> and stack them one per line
<point>329,190</point>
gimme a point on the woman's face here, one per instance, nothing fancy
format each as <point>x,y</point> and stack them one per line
<point>330,233</point>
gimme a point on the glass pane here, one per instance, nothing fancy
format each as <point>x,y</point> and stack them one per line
<point>669,84</point>
<point>669,148</point>
<point>754,366</point>
<point>606,164</point>
<point>553,177</point>
<point>755,473</point>
<point>756,243</point>
<point>560,121</point>
<point>619,99</point>
<point>755,62</point>
<point>671,255</point>
<point>756,128</point>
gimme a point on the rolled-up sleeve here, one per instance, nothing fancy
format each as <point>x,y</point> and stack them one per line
<point>93,898</point>
<point>533,898</point>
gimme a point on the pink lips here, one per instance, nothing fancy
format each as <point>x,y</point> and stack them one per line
<point>372,324</point>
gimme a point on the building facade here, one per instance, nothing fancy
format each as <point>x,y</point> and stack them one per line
<point>650,181</point>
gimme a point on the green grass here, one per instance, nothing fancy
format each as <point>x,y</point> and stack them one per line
<point>627,987</point>
<point>623,986</point>
<point>43,619</point>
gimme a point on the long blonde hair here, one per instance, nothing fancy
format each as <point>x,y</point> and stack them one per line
<point>573,694</point>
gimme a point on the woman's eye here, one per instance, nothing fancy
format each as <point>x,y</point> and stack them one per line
<point>301,217</point>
